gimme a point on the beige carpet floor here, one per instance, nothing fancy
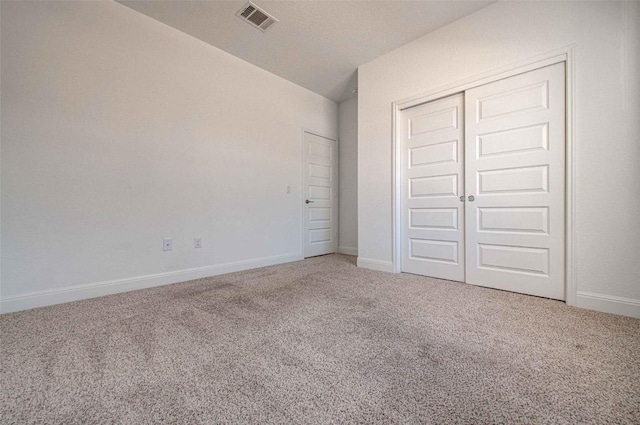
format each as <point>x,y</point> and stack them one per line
<point>318,342</point>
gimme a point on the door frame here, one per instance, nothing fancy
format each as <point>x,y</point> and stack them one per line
<point>566,55</point>
<point>335,216</point>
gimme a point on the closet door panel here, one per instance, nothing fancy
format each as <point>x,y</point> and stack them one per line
<point>432,183</point>
<point>514,169</point>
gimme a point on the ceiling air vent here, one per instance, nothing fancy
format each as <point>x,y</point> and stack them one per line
<point>255,16</point>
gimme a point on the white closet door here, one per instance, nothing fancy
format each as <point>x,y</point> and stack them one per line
<point>432,182</point>
<point>515,156</point>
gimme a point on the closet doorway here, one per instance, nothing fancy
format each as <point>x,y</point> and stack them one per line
<point>482,177</point>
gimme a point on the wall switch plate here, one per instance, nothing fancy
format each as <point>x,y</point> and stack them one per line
<point>167,244</point>
<point>197,242</point>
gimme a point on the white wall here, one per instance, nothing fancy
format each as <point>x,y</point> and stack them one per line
<point>348,134</point>
<point>117,131</point>
<point>607,128</point>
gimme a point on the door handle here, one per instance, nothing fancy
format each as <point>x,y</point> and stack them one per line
<point>462,198</point>
<point>308,202</point>
<point>471,198</point>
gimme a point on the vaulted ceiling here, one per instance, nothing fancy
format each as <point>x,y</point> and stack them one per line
<point>316,44</point>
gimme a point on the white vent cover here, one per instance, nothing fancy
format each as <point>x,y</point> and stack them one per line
<point>258,18</point>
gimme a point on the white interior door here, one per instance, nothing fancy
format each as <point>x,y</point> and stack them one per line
<point>515,156</point>
<point>320,175</point>
<point>432,182</point>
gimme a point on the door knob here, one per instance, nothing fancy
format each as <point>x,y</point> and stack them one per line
<point>462,198</point>
<point>471,198</point>
<point>308,202</point>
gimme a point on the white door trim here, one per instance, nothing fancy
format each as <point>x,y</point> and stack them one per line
<point>303,131</point>
<point>565,54</point>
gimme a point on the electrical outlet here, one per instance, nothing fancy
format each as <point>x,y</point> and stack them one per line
<point>167,244</point>
<point>197,242</point>
<point>288,189</point>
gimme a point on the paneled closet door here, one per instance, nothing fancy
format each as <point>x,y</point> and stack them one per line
<point>515,183</point>
<point>432,183</point>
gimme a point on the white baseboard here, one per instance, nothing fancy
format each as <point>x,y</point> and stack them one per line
<point>348,250</point>
<point>608,304</point>
<point>379,265</point>
<point>81,292</point>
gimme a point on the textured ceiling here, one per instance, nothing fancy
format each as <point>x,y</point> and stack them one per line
<point>316,44</point>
